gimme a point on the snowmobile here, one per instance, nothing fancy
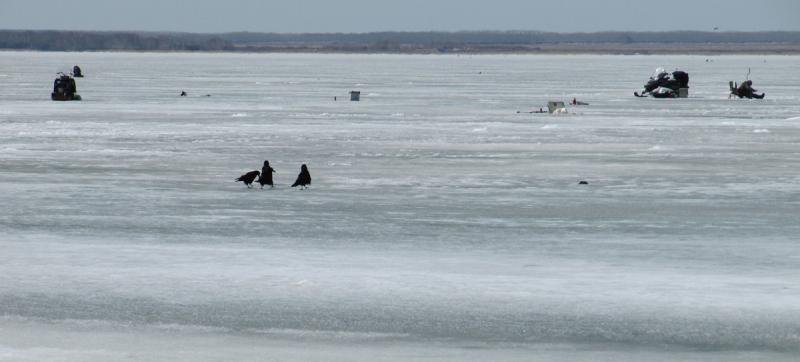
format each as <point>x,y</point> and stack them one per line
<point>665,85</point>
<point>64,89</point>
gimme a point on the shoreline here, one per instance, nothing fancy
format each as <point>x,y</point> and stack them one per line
<point>465,42</point>
<point>547,49</point>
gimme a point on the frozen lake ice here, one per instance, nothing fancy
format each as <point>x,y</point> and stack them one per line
<point>441,224</point>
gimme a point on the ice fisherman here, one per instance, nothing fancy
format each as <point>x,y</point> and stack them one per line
<point>746,90</point>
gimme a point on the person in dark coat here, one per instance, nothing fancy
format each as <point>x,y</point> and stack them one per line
<point>746,90</point>
<point>304,178</point>
<point>248,178</point>
<point>266,175</point>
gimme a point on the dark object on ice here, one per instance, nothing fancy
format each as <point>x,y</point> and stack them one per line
<point>541,110</point>
<point>576,102</point>
<point>76,72</point>
<point>745,90</point>
<point>663,92</point>
<point>664,85</point>
<point>183,94</point>
<point>355,96</point>
<point>583,183</point>
<point>248,178</point>
<point>304,178</point>
<point>266,175</point>
<point>64,89</point>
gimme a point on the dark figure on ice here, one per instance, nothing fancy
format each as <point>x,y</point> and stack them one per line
<point>76,72</point>
<point>248,178</point>
<point>746,90</point>
<point>303,179</point>
<point>266,175</point>
<point>64,89</point>
<point>183,93</point>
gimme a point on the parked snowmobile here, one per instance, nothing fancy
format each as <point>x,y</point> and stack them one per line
<point>64,89</point>
<point>665,85</point>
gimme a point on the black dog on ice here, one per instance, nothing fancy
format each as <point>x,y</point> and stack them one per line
<point>304,178</point>
<point>248,178</point>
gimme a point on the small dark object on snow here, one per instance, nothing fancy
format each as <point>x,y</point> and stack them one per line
<point>64,89</point>
<point>355,96</point>
<point>76,72</point>
<point>531,112</point>
<point>266,175</point>
<point>303,179</point>
<point>248,178</point>
<point>583,183</point>
<point>183,94</point>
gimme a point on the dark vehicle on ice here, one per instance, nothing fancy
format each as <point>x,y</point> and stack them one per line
<point>665,85</point>
<point>64,89</point>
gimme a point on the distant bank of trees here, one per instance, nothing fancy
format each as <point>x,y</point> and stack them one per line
<point>400,42</point>
<point>95,41</point>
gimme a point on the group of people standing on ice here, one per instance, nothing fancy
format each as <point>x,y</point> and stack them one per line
<point>265,177</point>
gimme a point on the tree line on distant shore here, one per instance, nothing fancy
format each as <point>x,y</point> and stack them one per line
<point>52,40</point>
<point>424,42</point>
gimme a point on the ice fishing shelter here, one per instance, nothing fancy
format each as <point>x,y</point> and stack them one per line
<point>355,96</point>
<point>556,107</point>
<point>683,83</point>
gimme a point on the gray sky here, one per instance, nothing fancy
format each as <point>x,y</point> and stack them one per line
<point>401,15</point>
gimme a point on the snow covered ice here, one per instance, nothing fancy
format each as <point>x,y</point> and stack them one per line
<point>440,225</point>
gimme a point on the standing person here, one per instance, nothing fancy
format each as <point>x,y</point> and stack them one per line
<point>266,175</point>
<point>304,178</point>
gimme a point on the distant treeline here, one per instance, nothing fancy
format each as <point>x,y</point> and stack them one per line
<point>408,42</point>
<point>95,41</point>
